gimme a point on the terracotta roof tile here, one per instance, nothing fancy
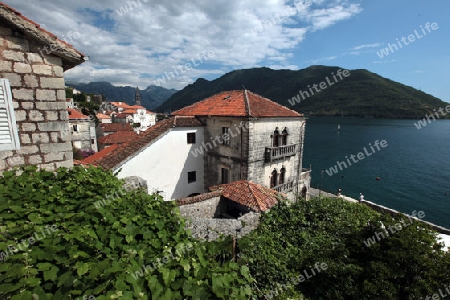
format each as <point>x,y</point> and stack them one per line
<point>124,151</point>
<point>198,198</point>
<point>255,196</point>
<point>114,127</point>
<point>240,103</point>
<point>76,115</point>
<point>94,158</point>
<point>103,116</point>
<point>118,137</point>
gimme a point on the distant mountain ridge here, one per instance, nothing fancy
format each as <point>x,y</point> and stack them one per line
<point>151,97</point>
<point>362,93</point>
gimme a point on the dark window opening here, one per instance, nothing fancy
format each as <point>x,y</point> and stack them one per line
<point>273,179</point>
<point>226,136</point>
<point>75,128</point>
<point>284,135</point>
<point>191,138</point>
<point>282,175</point>
<point>276,137</point>
<point>192,176</point>
<point>224,175</point>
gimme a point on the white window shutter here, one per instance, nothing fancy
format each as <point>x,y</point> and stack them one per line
<point>9,138</point>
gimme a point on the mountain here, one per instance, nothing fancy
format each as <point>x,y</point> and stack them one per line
<point>361,93</point>
<point>151,97</point>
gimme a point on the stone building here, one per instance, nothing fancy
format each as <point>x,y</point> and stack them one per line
<point>34,127</point>
<point>249,137</point>
<point>82,129</point>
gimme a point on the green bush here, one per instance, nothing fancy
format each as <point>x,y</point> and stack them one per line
<point>408,264</point>
<point>87,250</point>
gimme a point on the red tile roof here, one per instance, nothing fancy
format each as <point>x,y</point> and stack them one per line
<point>70,56</point>
<point>96,157</point>
<point>76,115</point>
<point>118,137</point>
<point>241,103</point>
<point>114,127</point>
<point>141,141</point>
<point>102,116</point>
<point>198,198</point>
<point>255,196</point>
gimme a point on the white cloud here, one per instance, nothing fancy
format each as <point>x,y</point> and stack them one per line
<point>157,36</point>
<point>376,45</point>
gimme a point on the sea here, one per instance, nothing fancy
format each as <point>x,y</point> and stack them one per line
<point>410,173</point>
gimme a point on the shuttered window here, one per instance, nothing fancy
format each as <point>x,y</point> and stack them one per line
<point>9,138</point>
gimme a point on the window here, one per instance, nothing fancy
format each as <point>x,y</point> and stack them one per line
<point>226,136</point>
<point>92,141</point>
<point>75,128</point>
<point>192,176</point>
<point>276,137</point>
<point>284,135</point>
<point>282,175</point>
<point>191,138</point>
<point>273,178</point>
<point>224,176</point>
<point>9,138</point>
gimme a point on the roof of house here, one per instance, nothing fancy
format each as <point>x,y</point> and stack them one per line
<point>70,56</point>
<point>141,141</point>
<point>103,116</point>
<point>76,115</point>
<point>198,198</point>
<point>238,103</point>
<point>118,137</point>
<point>96,157</point>
<point>113,127</point>
<point>255,196</point>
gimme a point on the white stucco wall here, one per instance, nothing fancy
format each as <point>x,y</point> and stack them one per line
<point>165,164</point>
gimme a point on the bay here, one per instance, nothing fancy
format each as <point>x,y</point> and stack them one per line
<point>413,169</point>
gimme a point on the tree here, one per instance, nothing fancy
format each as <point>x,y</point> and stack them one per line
<point>406,264</point>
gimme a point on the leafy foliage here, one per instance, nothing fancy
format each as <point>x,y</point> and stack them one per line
<point>363,93</point>
<point>99,251</point>
<point>407,264</point>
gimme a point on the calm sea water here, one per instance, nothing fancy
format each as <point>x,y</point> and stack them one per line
<point>413,170</point>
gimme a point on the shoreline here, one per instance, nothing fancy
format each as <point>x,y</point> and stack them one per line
<point>380,208</point>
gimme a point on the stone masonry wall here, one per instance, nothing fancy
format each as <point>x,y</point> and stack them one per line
<point>261,133</point>
<point>202,209</point>
<point>38,92</point>
<point>233,156</point>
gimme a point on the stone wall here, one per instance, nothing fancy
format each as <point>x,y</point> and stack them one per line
<point>81,138</point>
<point>233,157</point>
<point>261,136</point>
<point>39,100</point>
<point>202,209</point>
<point>211,229</point>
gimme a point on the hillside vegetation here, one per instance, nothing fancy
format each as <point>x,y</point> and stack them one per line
<point>362,93</point>
<point>151,97</point>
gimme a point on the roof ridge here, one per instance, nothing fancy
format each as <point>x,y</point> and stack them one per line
<point>247,103</point>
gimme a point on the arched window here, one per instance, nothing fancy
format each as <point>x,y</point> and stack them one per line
<point>276,137</point>
<point>273,178</point>
<point>284,135</point>
<point>282,175</point>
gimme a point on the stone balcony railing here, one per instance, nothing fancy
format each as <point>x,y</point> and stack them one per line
<point>284,187</point>
<point>274,153</point>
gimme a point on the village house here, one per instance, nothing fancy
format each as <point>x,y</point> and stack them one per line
<point>34,123</point>
<point>249,137</point>
<point>82,129</point>
<point>231,136</point>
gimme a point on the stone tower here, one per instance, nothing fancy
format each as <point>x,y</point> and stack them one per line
<point>137,97</point>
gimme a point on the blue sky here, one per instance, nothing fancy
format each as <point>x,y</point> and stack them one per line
<point>155,37</point>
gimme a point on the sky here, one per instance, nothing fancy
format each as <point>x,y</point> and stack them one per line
<point>173,43</point>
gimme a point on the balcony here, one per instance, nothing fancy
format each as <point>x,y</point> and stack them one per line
<point>274,153</point>
<point>284,187</point>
